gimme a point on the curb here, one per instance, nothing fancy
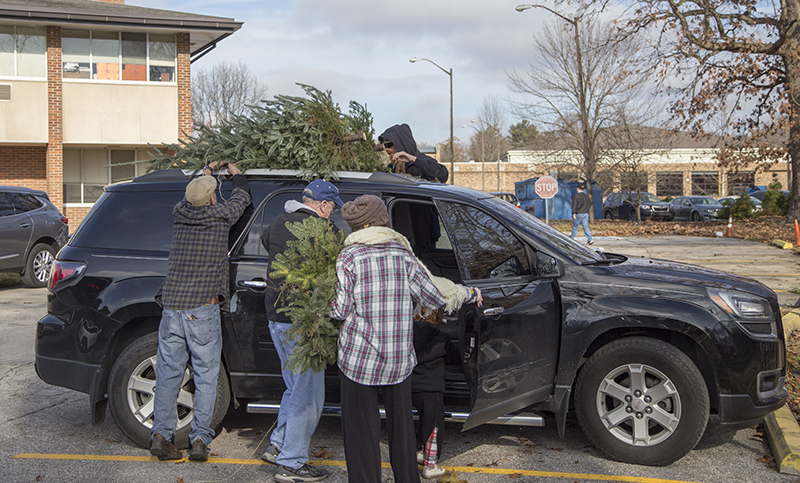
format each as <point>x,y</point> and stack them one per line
<point>783,431</point>
<point>783,434</point>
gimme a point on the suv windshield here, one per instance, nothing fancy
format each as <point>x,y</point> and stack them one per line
<point>646,197</point>
<point>569,247</point>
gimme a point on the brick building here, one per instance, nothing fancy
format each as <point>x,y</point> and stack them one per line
<point>87,84</point>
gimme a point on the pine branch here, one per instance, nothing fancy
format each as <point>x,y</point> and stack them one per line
<point>308,270</point>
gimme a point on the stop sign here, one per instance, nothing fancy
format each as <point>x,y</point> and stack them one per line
<point>546,187</point>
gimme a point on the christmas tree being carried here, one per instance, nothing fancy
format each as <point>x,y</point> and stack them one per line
<point>310,134</point>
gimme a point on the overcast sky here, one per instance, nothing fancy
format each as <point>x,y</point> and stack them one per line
<point>360,50</point>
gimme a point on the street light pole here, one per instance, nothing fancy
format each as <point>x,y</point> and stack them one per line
<point>588,146</point>
<point>450,73</point>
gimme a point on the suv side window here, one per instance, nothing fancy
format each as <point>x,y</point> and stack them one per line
<point>485,247</point>
<point>24,203</point>
<point>6,206</point>
<point>131,221</point>
<point>272,207</point>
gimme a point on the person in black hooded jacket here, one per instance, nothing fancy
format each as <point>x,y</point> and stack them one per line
<point>398,141</point>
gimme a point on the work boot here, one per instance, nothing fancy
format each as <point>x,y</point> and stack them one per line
<point>199,451</point>
<point>163,449</point>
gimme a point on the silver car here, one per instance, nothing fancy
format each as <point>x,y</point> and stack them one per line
<point>32,230</point>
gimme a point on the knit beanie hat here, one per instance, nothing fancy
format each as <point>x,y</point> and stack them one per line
<point>199,190</point>
<point>364,211</point>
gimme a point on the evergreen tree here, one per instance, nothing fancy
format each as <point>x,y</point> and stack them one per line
<point>309,133</point>
<point>308,267</point>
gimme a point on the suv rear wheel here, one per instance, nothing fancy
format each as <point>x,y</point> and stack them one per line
<point>131,387</point>
<point>37,266</point>
<point>642,401</point>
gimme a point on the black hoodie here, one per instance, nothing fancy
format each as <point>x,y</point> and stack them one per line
<point>424,167</point>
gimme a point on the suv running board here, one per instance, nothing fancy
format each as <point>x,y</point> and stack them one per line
<point>519,419</point>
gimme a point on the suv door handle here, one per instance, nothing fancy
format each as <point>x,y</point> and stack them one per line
<point>494,311</point>
<point>24,225</point>
<point>257,284</point>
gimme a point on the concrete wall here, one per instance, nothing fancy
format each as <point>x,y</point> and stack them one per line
<point>24,118</point>
<point>96,113</point>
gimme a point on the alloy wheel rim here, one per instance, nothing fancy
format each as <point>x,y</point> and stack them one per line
<point>41,265</point>
<point>639,404</point>
<point>141,389</point>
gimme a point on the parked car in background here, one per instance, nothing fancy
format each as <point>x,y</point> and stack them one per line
<point>730,200</point>
<point>696,208</point>
<point>621,206</point>
<point>504,195</point>
<point>759,194</point>
<point>32,230</point>
<point>642,350</point>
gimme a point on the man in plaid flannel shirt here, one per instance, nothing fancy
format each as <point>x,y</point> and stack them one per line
<point>379,279</point>
<point>196,282</point>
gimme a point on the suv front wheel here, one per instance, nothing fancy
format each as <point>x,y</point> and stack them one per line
<point>131,387</point>
<point>642,401</point>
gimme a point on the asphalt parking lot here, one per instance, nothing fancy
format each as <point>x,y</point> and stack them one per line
<point>46,434</point>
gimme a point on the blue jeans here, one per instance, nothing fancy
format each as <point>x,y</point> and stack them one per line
<point>301,404</point>
<point>581,219</point>
<point>182,334</point>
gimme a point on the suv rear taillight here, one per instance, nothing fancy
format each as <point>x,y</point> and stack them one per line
<point>65,220</point>
<point>64,273</point>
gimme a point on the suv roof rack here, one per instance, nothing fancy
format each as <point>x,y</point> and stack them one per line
<point>185,174</point>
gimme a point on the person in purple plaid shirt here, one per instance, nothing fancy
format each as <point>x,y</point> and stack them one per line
<point>196,282</point>
<point>379,280</point>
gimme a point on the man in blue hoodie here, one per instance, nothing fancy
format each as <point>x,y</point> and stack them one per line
<point>404,157</point>
<point>302,402</point>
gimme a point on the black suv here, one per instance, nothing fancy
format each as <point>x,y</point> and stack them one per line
<point>643,350</point>
<point>32,230</point>
<point>621,206</point>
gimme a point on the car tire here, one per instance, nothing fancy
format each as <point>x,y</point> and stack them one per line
<point>131,386</point>
<point>696,216</point>
<point>607,215</point>
<point>37,266</point>
<point>609,400</point>
<point>632,216</point>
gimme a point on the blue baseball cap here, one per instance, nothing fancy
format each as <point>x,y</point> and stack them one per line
<point>321,190</point>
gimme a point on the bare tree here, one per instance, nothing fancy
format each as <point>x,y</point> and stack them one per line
<point>585,81</point>
<point>488,142</point>
<point>223,91</point>
<point>739,60</point>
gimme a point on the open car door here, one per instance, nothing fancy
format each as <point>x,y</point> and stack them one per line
<point>510,343</point>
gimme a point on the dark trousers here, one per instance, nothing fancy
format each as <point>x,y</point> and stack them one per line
<point>361,427</point>
<point>430,408</point>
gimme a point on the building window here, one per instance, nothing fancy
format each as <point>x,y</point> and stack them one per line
<point>88,171</point>
<point>633,181</point>
<point>75,50</point>
<point>740,181</point>
<point>669,184</point>
<point>126,56</point>
<point>23,51</point>
<point>705,183</point>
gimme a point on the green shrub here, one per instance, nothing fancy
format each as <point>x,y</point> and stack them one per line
<point>775,203</point>
<point>741,209</point>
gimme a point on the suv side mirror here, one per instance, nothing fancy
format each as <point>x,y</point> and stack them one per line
<point>548,266</point>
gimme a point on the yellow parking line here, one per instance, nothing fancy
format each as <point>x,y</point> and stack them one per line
<point>459,469</point>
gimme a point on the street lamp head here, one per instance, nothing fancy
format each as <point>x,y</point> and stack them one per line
<point>414,59</point>
<point>473,120</point>
<point>523,7</point>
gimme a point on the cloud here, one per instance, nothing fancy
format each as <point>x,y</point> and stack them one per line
<point>359,49</point>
